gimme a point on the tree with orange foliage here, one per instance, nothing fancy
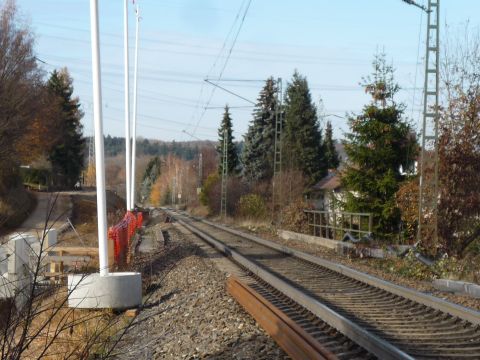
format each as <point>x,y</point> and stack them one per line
<point>178,179</point>
<point>90,175</point>
<point>42,134</point>
<point>20,85</point>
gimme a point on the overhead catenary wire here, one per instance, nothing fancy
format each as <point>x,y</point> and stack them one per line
<point>180,79</point>
<point>249,55</point>
<point>141,124</point>
<point>228,91</point>
<point>225,64</point>
<point>217,58</point>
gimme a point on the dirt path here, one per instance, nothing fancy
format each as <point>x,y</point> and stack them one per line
<point>54,207</point>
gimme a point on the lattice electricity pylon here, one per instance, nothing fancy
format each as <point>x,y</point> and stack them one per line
<point>223,201</point>
<point>277,156</point>
<point>428,186</point>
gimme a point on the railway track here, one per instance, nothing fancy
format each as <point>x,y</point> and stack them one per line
<point>367,316</point>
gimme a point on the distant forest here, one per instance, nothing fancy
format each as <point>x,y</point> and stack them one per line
<point>187,150</point>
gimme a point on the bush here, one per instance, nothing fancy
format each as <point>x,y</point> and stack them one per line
<point>407,201</point>
<point>294,218</point>
<point>36,176</point>
<point>15,208</point>
<point>211,193</point>
<point>252,206</point>
<point>210,190</point>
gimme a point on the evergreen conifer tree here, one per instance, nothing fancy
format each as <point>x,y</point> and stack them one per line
<point>68,153</point>
<point>232,156</point>
<point>379,143</point>
<point>331,155</point>
<point>302,145</point>
<point>259,147</point>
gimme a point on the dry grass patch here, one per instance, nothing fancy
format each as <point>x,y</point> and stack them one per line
<point>54,331</point>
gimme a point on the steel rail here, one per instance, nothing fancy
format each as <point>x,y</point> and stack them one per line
<point>461,312</point>
<point>288,334</point>
<point>366,339</point>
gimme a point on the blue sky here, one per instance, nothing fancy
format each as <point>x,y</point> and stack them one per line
<point>330,42</point>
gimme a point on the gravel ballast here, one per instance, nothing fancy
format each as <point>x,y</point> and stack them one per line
<point>188,313</point>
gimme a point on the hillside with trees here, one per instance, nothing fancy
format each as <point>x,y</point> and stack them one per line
<point>186,150</point>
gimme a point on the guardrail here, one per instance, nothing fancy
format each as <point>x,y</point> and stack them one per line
<point>334,225</point>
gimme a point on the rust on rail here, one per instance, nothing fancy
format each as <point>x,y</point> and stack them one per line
<point>294,340</point>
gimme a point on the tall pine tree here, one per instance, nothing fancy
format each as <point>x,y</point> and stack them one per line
<point>331,155</point>
<point>259,147</point>
<point>302,145</point>
<point>232,156</point>
<point>379,143</point>
<point>68,153</point>
<point>152,172</point>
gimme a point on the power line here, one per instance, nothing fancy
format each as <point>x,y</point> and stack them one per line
<point>261,56</point>
<point>225,63</point>
<point>230,107</point>
<point>228,91</point>
<point>218,57</point>
<point>162,119</point>
<point>141,124</point>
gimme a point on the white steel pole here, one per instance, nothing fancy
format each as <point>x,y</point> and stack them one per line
<point>127,108</point>
<point>134,127</point>
<point>99,154</point>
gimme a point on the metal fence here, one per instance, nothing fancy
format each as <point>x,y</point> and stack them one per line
<point>334,225</point>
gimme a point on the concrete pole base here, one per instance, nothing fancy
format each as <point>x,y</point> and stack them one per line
<point>120,290</point>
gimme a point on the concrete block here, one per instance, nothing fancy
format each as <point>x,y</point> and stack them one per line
<point>403,248</point>
<point>120,290</point>
<point>50,237</point>
<point>309,239</point>
<point>473,290</point>
<point>376,253</point>
<point>6,287</point>
<point>18,256</point>
<point>3,260</point>
<point>450,285</point>
<point>341,247</point>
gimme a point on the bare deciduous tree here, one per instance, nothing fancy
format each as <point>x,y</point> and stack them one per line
<point>459,145</point>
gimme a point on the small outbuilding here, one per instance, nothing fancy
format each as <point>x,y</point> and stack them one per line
<point>327,193</point>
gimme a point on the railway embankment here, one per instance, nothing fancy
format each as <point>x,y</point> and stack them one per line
<point>387,320</point>
<point>405,271</point>
<point>187,312</point>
